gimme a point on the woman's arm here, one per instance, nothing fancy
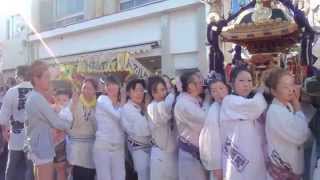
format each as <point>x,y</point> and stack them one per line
<point>106,106</point>
<point>290,126</point>
<point>48,114</point>
<point>134,122</point>
<point>240,108</point>
<point>210,141</point>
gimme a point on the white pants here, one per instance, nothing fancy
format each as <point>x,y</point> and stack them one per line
<point>164,165</point>
<point>141,161</point>
<point>190,168</point>
<point>37,161</point>
<point>110,165</point>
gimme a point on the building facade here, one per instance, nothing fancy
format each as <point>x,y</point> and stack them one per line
<point>165,36</point>
<point>14,50</point>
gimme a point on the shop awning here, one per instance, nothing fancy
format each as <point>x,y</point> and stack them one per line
<point>107,53</point>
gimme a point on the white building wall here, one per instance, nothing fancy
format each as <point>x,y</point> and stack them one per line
<point>118,30</point>
<point>108,37</point>
<point>14,50</point>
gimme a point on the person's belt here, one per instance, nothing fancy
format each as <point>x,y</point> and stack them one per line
<point>187,146</point>
<point>136,145</point>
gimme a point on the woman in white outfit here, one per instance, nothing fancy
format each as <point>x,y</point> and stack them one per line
<point>210,138</point>
<point>109,147</point>
<point>164,157</point>
<point>190,118</point>
<point>81,137</point>
<point>286,128</point>
<point>136,126</point>
<point>241,130</point>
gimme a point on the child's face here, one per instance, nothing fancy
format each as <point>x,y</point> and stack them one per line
<point>218,91</point>
<point>62,99</point>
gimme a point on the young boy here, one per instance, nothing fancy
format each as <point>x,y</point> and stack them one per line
<point>62,98</point>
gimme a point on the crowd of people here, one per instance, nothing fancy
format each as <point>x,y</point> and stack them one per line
<point>194,129</point>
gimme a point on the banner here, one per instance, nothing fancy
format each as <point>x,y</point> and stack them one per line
<point>121,63</point>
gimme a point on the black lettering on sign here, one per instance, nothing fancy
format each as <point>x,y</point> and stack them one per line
<point>22,98</point>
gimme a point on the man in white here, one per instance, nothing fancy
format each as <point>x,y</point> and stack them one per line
<point>109,153</point>
<point>12,115</point>
<point>190,118</point>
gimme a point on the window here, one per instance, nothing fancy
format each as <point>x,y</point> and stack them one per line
<point>69,8</point>
<point>15,27</point>
<point>129,4</point>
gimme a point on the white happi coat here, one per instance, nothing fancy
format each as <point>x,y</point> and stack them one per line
<point>190,118</point>
<point>109,146</point>
<point>242,137</point>
<point>12,111</point>
<point>136,125</point>
<point>164,157</point>
<point>210,140</point>
<point>286,133</point>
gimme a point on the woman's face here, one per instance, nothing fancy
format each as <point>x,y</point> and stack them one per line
<point>88,90</point>
<point>218,91</point>
<point>137,94</point>
<point>243,84</point>
<point>285,89</point>
<point>196,87</point>
<point>43,82</point>
<point>112,90</point>
<point>160,92</point>
<point>168,83</point>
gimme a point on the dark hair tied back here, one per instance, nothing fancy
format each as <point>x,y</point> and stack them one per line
<point>134,82</point>
<point>236,71</point>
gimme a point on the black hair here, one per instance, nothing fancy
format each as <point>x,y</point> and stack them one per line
<point>153,82</point>
<point>23,72</point>
<point>92,81</point>
<point>111,80</point>
<point>63,92</point>
<point>133,83</point>
<point>236,71</point>
<point>186,79</point>
<point>215,81</point>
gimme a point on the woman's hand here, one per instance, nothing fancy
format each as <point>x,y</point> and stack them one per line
<point>218,174</point>
<point>75,98</point>
<point>58,136</point>
<point>296,98</point>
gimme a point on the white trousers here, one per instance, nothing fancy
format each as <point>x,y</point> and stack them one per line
<point>164,165</point>
<point>141,161</point>
<point>190,168</point>
<point>110,165</point>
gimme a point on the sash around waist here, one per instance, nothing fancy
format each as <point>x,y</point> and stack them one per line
<point>187,146</point>
<point>82,139</point>
<point>136,145</point>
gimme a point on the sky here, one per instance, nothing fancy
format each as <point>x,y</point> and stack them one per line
<point>9,8</point>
